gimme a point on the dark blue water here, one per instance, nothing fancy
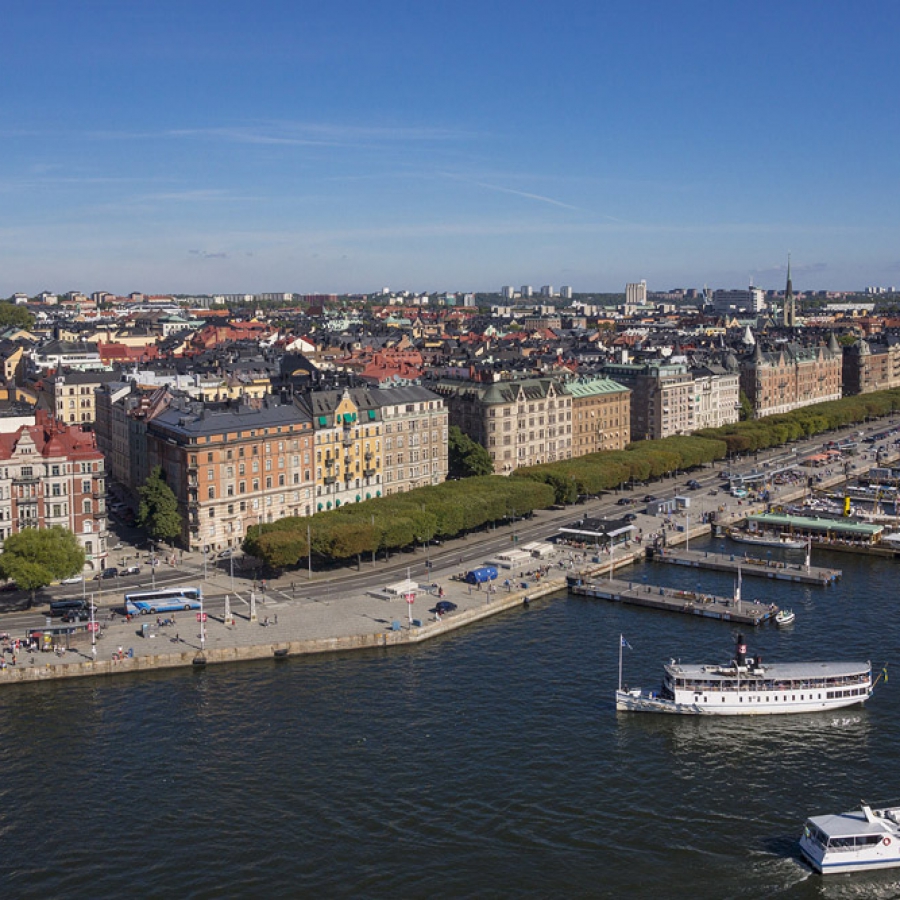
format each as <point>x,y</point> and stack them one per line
<point>490,763</point>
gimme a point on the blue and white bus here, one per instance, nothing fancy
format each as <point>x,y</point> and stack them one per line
<point>164,600</point>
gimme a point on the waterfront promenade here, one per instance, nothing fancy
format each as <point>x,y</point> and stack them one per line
<point>331,613</point>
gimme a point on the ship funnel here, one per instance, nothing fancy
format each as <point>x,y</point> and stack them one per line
<point>740,651</point>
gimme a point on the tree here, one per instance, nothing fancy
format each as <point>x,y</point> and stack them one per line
<point>13,315</point>
<point>158,512</point>
<point>746,413</point>
<point>465,457</point>
<point>34,559</point>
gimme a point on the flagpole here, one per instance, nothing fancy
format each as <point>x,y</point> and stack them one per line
<point>621,644</point>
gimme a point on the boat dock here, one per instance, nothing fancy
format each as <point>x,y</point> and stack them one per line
<point>692,603</point>
<point>748,565</point>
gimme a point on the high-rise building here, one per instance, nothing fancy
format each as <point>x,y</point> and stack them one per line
<point>636,293</point>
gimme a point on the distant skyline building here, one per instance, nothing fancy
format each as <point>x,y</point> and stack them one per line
<point>565,292</point>
<point>508,292</point>
<point>547,290</point>
<point>527,290</point>
<point>636,293</point>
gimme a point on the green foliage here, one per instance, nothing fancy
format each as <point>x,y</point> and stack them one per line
<point>34,559</point>
<point>465,457</point>
<point>456,507</point>
<point>746,412</point>
<point>158,511</point>
<point>14,316</point>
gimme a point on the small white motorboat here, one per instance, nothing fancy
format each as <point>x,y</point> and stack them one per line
<point>784,617</point>
<point>855,841</point>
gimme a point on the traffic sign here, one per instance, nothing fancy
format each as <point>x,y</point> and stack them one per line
<point>201,617</point>
<point>410,597</point>
<point>93,626</point>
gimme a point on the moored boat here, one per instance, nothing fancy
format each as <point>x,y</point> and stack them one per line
<point>855,841</point>
<point>785,541</point>
<point>747,687</point>
<point>784,617</point>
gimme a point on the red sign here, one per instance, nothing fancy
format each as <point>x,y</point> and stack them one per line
<point>201,617</point>
<point>93,626</point>
<point>410,598</point>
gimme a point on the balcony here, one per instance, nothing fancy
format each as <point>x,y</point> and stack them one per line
<point>369,472</point>
<point>330,479</point>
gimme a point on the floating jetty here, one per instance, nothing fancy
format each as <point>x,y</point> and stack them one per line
<point>747,565</point>
<point>692,603</point>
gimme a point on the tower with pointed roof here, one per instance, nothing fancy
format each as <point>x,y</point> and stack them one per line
<point>790,304</point>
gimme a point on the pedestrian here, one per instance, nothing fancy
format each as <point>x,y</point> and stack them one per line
<point>276,618</point>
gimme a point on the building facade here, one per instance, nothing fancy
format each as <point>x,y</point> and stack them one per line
<point>792,376</point>
<point>520,423</point>
<point>869,366</point>
<point>601,415</point>
<point>662,401</point>
<point>54,474</point>
<point>233,467</point>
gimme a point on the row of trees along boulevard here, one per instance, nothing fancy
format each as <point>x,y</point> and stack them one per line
<point>388,524</point>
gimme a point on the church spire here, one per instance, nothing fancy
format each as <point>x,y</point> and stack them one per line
<point>790,307</point>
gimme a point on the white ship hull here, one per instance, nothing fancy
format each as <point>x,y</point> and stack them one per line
<point>858,841</point>
<point>747,687</point>
<point>744,705</point>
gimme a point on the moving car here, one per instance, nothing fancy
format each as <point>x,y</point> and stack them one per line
<point>75,579</point>
<point>131,570</point>
<point>111,572</point>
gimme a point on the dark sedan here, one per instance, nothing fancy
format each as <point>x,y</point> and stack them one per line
<point>442,607</point>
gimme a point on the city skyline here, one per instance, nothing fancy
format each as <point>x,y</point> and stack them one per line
<point>232,148</point>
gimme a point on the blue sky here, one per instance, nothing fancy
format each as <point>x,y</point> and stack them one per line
<point>346,146</point>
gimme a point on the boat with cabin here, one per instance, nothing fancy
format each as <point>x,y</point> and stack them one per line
<point>761,539</point>
<point>746,686</point>
<point>784,617</point>
<point>856,841</point>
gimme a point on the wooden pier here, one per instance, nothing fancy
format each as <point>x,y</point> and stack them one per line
<point>692,603</point>
<point>777,569</point>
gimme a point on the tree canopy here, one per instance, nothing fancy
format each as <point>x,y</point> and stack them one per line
<point>158,512</point>
<point>35,558</point>
<point>11,314</point>
<point>465,457</point>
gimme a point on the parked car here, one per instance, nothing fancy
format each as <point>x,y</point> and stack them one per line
<point>693,485</point>
<point>9,586</point>
<point>111,572</point>
<point>623,501</point>
<point>629,517</point>
<point>444,606</point>
<point>130,570</point>
<point>119,546</point>
<point>649,498</point>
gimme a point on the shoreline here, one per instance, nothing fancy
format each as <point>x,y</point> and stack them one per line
<point>331,623</point>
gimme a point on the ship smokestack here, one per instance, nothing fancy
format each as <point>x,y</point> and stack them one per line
<point>740,651</point>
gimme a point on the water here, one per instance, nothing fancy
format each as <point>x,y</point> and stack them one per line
<point>490,763</point>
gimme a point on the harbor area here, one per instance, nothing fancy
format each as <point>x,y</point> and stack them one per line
<point>692,603</point>
<point>778,569</point>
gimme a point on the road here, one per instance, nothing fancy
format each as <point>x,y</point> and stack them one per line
<point>423,564</point>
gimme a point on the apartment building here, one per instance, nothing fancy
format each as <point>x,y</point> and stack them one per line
<point>717,395</point>
<point>870,366</point>
<point>414,423</point>
<point>70,395</point>
<point>792,376</point>
<point>233,466</point>
<point>601,414</point>
<point>662,401</point>
<point>53,474</point>
<point>520,423</point>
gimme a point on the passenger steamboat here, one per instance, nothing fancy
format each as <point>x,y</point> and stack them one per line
<point>747,687</point>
